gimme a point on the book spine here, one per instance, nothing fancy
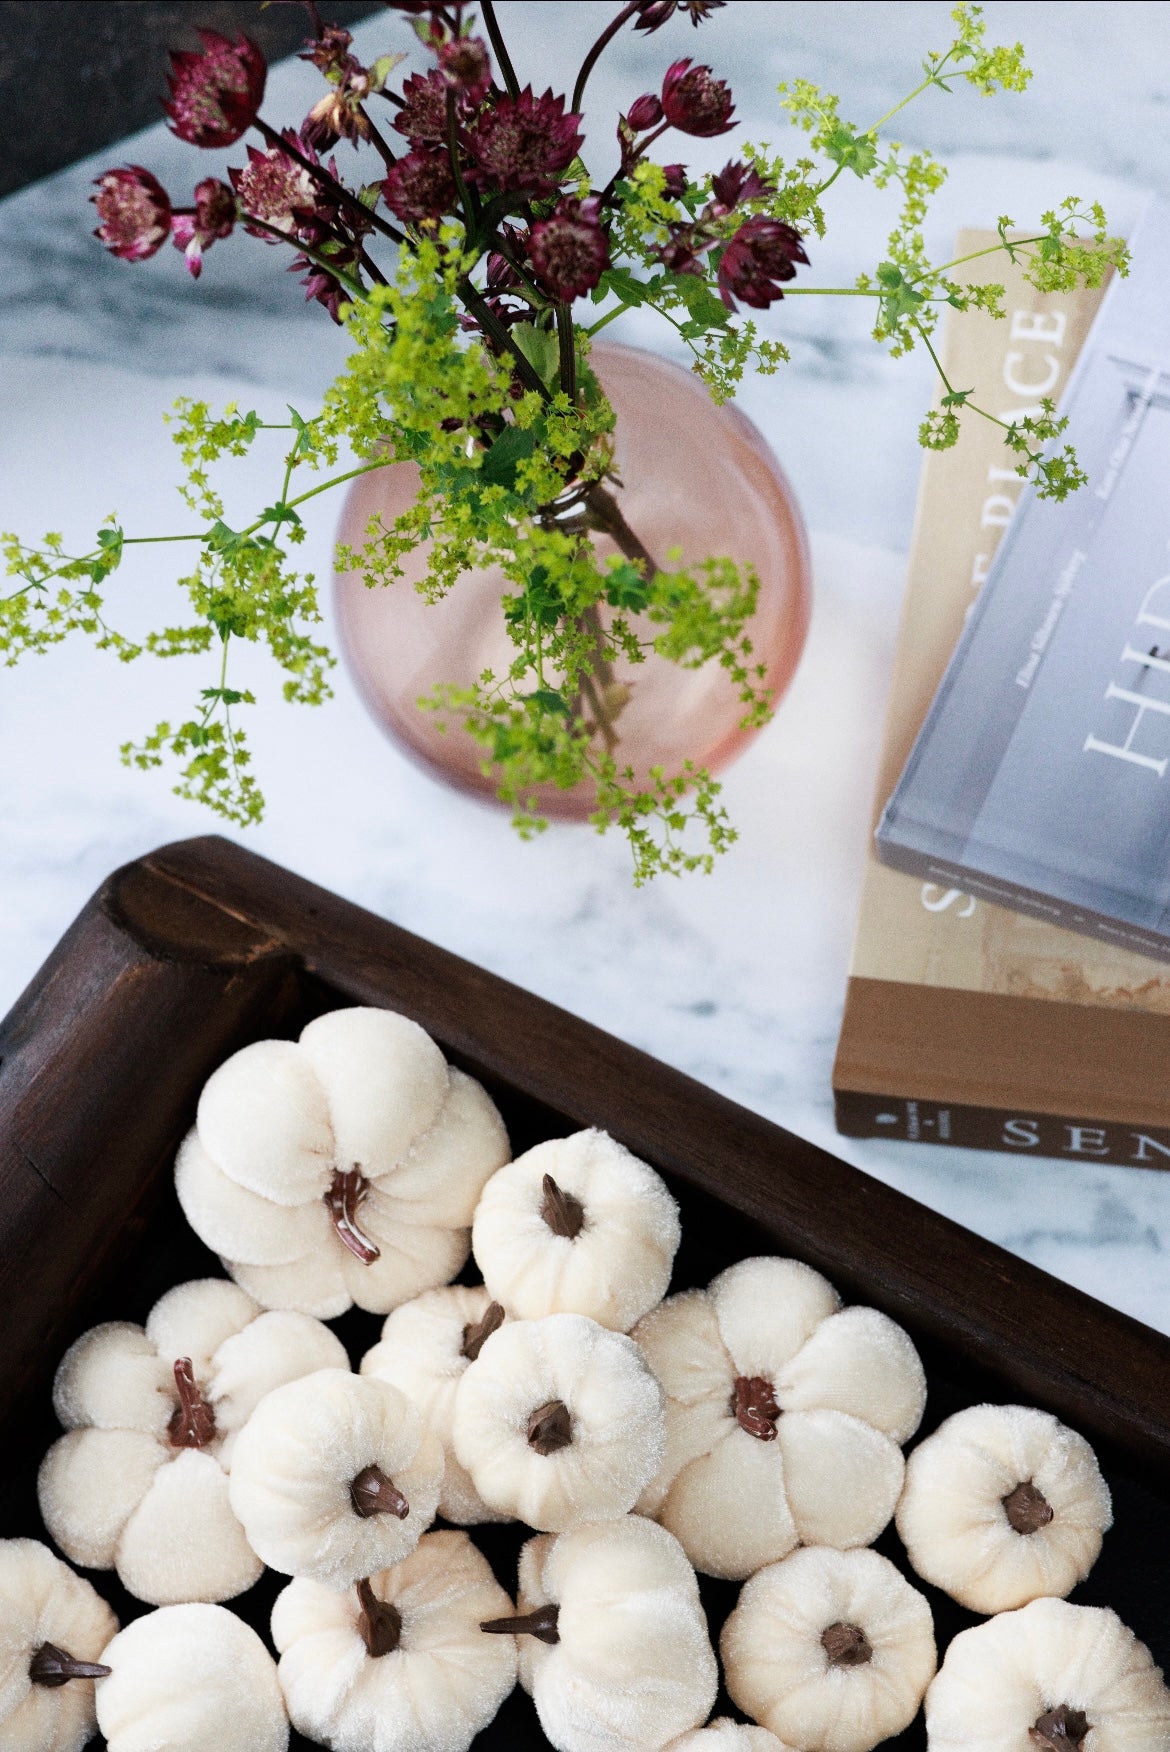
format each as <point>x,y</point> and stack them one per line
<point>896,855</point>
<point>860,1115</point>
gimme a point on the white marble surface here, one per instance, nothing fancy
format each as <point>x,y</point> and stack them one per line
<point>737,979</point>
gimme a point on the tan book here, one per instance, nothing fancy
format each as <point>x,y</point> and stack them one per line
<point>964,1022</point>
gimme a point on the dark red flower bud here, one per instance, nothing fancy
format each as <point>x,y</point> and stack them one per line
<point>654,13</point>
<point>214,217</point>
<point>466,67</point>
<point>695,102</point>
<point>570,251</point>
<point>330,51</point>
<point>682,251</point>
<point>762,253</point>
<point>133,209</point>
<point>135,212</point>
<point>736,183</point>
<point>423,116</point>
<point>674,181</point>
<point>216,94</point>
<point>645,112</point>
<point>523,145</point>
<point>275,188</point>
<point>420,188</point>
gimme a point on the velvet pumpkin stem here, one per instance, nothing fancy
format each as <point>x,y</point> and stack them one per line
<point>755,1407</point>
<point>477,1332</point>
<point>564,1214</point>
<point>372,1493</point>
<point>550,1428</point>
<point>1027,1509</point>
<point>51,1666</point>
<point>1061,1730</point>
<point>846,1645</point>
<point>193,1422</point>
<point>380,1623</point>
<point>344,1199</point>
<point>542,1624</point>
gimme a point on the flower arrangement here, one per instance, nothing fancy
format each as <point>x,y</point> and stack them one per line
<point>472,259</point>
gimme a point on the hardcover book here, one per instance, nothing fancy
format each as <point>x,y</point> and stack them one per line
<point>966,1022</point>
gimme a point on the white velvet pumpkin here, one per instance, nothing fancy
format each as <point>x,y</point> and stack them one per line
<point>402,1665</point>
<point>191,1679</point>
<point>617,1657</point>
<point>1003,1504</point>
<point>335,1477</point>
<point>344,1167</point>
<point>831,1650</point>
<point>559,1421</point>
<point>1051,1677</point>
<point>426,1348</point>
<point>784,1416</point>
<point>53,1630</point>
<point>724,1735</point>
<point>139,1484</point>
<point>577,1225</point>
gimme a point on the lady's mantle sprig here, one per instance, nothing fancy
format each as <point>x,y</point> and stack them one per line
<point>460,267</point>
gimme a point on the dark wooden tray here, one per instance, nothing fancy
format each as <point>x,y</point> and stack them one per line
<point>190,953</point>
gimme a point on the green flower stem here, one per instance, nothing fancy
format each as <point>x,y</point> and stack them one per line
<point>567,351</point>
<point>470,207</point>
<point>496,37</point>
<point>352,286</point>
<point>320,175</point>
<point>992,249</point>
<point>483,313</point>
<point>607,517</point>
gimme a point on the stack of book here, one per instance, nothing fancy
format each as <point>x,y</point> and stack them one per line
<point>1031,765</point>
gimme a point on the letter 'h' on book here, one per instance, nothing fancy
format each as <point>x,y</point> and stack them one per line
<point>966,1022</point>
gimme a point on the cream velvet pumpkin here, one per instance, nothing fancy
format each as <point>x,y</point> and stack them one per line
<point>191,1679</point>
<point>426,1348</point>
<point>1003,1504</point>
<point>335,1477</point>
<point>784,1416</point>
<point>725,1735</point>
<point>344,1167</point>
<point>53,1629</point>
<point>559,1421</point>
<point>139,1484</point>
<point>831,1650</point>
<point>577,1225</point>
<point>398,1664</point>
<point>614,1647</point>
<point>1049,1678</point>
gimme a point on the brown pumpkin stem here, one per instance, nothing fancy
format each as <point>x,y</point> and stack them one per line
<point>550,1428</point>
<point>477,1332</point>
<point>344,1198</point>
<point>380,1623</point>
<point>755,1407</point>
<point>372,1493</point>
<point>1027,1508</point>
<point>542,1624</point>
<point>846,1645</point>
<point>1061,1730</point>
<point>564,1214</point>
<point>192,1424</point>
<point>51,1666</point>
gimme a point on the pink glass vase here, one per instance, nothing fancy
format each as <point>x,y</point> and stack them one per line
<point>695,477</point>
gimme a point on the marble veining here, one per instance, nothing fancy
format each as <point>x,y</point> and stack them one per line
<point>737,979</point>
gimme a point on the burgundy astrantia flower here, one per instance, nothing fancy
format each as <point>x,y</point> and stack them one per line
<point>423,116</point>
<point>275,188</point>
<point>645,112</point>
<point>653,13</point>
<point>684,248</point>
<point>737,182</point>
<point>216,93</point>
<point>674,181</point>
<point>135,212</point>
<point>524,145</point>
<point>214,217</point>
<point>695,102</point>
<point>570,251</point>
<point>762,253</point>
<point>465,66</point>
<point>419,187</point>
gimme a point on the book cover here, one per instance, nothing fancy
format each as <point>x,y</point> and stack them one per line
<point>966,1022</point>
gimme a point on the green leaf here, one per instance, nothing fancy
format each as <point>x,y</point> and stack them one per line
<point>278,513</point>
<point>548,701</point>
<point>852,151</point>
<point>625,587</point>
<point>513,446</point>
<point>539,347</point>
<point>899,298</point>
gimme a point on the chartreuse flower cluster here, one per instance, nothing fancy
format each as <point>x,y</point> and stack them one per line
<point>472,271</point>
